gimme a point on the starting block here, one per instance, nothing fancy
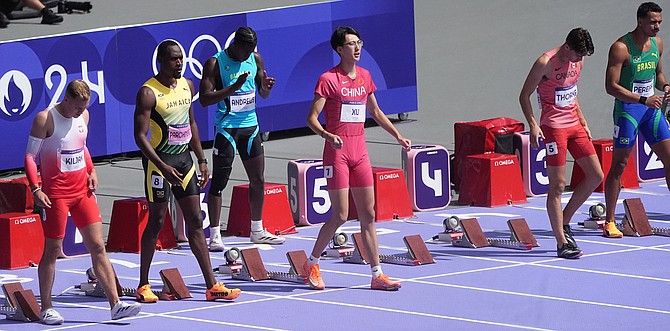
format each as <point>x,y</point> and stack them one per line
<point>596,219</point>
<point>338,247</point>
<point>254,270</point>
<point>474,237</point>
<point>636,223</point>
<point>452,230</point>
<point>417,253</point>
<point>173,286</point>
<point>232,266</point>
<point>21,305</point>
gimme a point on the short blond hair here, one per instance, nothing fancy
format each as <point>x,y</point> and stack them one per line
<point>78,89</point>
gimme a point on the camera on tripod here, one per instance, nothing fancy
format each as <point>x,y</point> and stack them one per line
<point>71,6</point>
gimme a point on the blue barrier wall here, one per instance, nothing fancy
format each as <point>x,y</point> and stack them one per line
<point>293,41</point>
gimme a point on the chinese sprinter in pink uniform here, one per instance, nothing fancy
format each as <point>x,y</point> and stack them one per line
<point>344,93</point>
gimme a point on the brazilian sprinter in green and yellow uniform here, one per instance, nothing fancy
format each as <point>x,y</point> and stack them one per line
<point>634,71</point>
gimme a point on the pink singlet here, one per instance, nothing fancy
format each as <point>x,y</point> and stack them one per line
<point>345,114</point>
<point>559,122</point>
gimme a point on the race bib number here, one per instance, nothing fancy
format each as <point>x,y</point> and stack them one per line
<point>243,101</point>
<point>551,148</point>
<point>352,112</point>
<point>179,134</point>
<point>565,96</point>
<point>644,88</point>
<point>328,171</point>
<point>157,181</point>
<point>72,160</point>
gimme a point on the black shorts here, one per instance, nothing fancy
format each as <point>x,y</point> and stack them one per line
<point>156,187</point>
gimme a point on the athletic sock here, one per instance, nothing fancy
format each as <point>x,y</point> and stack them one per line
<point>215,232</point>
<point>376,271</point>
<point>313,260</point>
<point>256,226</point>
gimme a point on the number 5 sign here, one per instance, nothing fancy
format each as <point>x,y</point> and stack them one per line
<point>308,192</point>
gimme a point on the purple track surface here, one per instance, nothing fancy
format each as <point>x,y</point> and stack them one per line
<point>617,283</point>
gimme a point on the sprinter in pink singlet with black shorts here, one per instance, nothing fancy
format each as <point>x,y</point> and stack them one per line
<point>563,128</point>
<point>345,92</point>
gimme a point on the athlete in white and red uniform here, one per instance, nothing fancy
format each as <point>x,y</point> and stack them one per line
<point>58,135</point>
<point>563,128</point>
<point>345,92</point>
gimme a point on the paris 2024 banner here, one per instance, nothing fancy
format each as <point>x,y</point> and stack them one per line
<point>115,62</point>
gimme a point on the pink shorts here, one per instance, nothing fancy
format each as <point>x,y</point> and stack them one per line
<point>84,210</point>
<point>558,142</point>
<point>349,166</point>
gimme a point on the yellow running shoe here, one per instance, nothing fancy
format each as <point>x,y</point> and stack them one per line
<point>384,283</point>
<point>314,280</point>
<point>219,291</point>
<point>145,295</point>
<point>610,230</point>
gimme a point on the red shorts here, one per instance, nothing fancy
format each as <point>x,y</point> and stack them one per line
<point>84,210</point>
<point>349,166</point>
<point>558,142</point>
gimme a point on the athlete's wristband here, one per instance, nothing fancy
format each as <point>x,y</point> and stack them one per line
<point>201,161</point>
<point>643,100</point>
<point>37,189</point>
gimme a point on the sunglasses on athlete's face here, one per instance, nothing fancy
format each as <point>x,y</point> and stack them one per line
<point>353,43</point>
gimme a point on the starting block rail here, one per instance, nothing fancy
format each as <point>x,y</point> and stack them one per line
<point>253,268</point>
<point>417,253</point>
<point>636,223</point>
<point>474,237</point>
<point>21,305</point>
<point>173,286</point>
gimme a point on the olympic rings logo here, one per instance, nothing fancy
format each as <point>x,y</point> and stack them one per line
<point>193,64</point>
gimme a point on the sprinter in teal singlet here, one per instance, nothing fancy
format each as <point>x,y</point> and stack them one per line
<point>230,79</point>
<point>634,70</point>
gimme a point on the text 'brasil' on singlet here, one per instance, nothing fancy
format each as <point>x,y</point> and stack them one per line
<point>557,94</point>
<point>62,163</point>
<point>169,123</point>
<point>346,98</point>
<point>239,109</point>
<point>639,76</point>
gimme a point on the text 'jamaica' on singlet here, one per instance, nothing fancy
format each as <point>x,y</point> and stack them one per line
<point>169,123</point>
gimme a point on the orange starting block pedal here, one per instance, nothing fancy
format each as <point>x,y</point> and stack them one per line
<point>521,232</point>
<point>417,253</point>
<point>174,287</point>
<point>474,237</point>
<point>253,268</point>
<point>21,305</point>
<point>636,223</point>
